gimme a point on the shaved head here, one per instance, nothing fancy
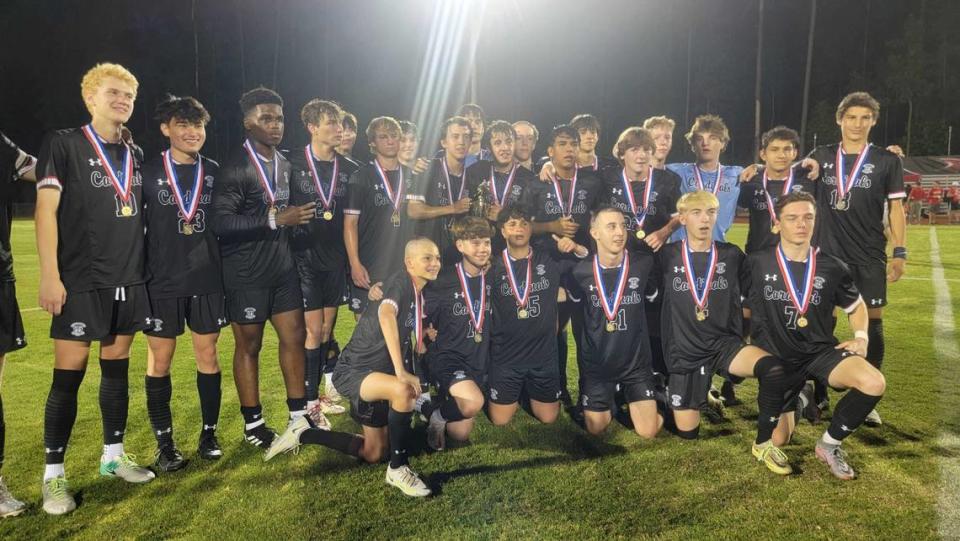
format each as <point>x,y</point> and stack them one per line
<point>418,246</point>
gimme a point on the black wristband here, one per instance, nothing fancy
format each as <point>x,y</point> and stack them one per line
<point>900,252</point>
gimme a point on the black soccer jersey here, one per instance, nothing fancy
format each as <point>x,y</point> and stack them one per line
<point>100,235</point>
<point>319,243</point>
<point>688,340</point>
<point>438,187</point>
<point>661,202</point>
<point>381,239</point>
<point>254,255</point>
<point>548,205</point>
<point>450,313</point>
<point>754,198</point>
<point>183,257</point>
<point>854,233</point>
<point>608,353</point>
<point>775,316</point>
<point>13,163</point>
<point>367,349</point>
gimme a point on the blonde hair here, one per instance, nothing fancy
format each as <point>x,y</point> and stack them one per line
<point>94,78</point>
<point>697,199</point>
<point>659,122</point>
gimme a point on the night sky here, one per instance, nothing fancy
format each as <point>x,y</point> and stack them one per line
<point>539,60</point>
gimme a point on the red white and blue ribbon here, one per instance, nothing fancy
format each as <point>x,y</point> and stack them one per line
<point>844,185</point>
<point>800,300</point>
<point>325,198</point>
<point>611,306</point>
<point>417,314</point>
<point>476,318</point>
<point>506,187</point>
<point>699,297</point>
<point>446,176</point>
<point>521,298</point>
<point>639,216</point>
<point>699,179</point>
<point>261,172</point>
<point>187,209</point>
<point>393,196</point>
<point>122,184</point>
<point>566,209</point>
<point>787,185</point>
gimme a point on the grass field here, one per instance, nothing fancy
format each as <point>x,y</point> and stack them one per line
<point>522,481</point>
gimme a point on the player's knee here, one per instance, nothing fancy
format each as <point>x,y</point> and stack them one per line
<point>250,348</point>
<point>873,384</point>
<point>548,417</point>
<point>689,434</point>
<point>373,454</point>
<point>648,429</point>
<point>499,420</point>
<point>470,408</point>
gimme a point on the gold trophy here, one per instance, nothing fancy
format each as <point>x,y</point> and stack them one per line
<point>480,203</point>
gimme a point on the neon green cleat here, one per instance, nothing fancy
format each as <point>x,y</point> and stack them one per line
<point>772,457</point>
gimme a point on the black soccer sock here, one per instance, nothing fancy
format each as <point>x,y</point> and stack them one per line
<point>295,405</point>
<point>330,361</point>
<point>252,417</point>
<point>60,413</point>
<point>343,442</point>
<point>851,410</point>
<point>208,386</point>
<point>159,393</point>
<point>451,411</point>
<point>398,431</point>
<point>3,432</point>
<point>562,360</point>
<point>875,348</point>
<point>313,370</point>
<point>772,378</point>
<point>689,434</point>
<point>114,399</point>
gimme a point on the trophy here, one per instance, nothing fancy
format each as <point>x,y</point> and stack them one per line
<point>480,202</point>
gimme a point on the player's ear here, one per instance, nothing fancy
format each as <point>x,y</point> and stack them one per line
<point>165,129</point>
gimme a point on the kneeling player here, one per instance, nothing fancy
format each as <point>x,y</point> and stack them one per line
<point>616,346</point>
<point>702,326</point>
<point>795,289</point>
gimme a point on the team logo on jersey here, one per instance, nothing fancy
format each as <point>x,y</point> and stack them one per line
<point>78,329</point>
<point>221,321</point>
<point>541,270</point>
<point>818,282</point>
<point>584,399</point>
<point>867,168</point>
<point>678,270</point>
<point>208,180</point>
<point>633,283</point>
<point>157,324</point>
<point>19,341</point>
<point>459,375</point>
<point>493,394</point>
<point>721,268</point>
<point>769,277</point>
<point>457,295</point>
<point>876,302</point>
<point>95,162</point>
<point>249,312</point>
<point>648,393</point>
<point>675,400</point>
<point>355,304</point>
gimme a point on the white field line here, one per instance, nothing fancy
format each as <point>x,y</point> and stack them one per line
<point>945,344</point>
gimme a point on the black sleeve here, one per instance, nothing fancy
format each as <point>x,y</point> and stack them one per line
<point>746,193</point>
<point>357,194</point>
<point>228,196</point>
<point>52,163</point>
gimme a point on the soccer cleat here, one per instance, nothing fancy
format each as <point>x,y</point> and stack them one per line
<point>9,506</point>
<point>436,431</point>
<point>772,457</point>
<point>261,436</point>
<point>728,392</point>
<point>126,468</point>
<point>407,481</point>
<point>808,408</point>
<point>329,407</point>
<point>290,439</point>
<point>57,499</point>
<point>332,393</point>
<point>873,419</point>
<point>836,459</point>
<point>421,401</point>
<point>713,410</point>
<point>317,417</point>
<point>209,447</point>
<point>168,458</point>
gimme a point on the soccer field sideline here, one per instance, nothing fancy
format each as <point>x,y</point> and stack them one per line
<point>523,480</point>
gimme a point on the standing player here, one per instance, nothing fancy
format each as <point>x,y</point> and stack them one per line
<point>409,144</point>
<point>441,193</point>
<point>795,289</point>
<point>703,282</point>
<point>527,137</point>
<point>251,215</point>
<point>616,353</point>
<point>320,176</point>
<point>477,120</point>
<point>457,304</point>
<point>14,164</point>
<point>661,129</point>
<point>183,275</point>
<point>589,129</point>
<point>349,135</point>
<point>375,223</point>
<point>523,347</point>
<point>858,181</point>
<point>90,245</point>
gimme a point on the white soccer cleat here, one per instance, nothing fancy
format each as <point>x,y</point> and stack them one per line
<point>407,481</point>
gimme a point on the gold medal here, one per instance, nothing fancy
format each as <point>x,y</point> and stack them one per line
<point>126,211</point>
<point>775,229</point>
<point>478,338</point>
<point>187,229</point>
<point>327,215</point>
<point>841,205</point>
<point>522,313</point>
<point>802,322</point>
<point>611,326</point>
<point>641,234</point>
<point>701,314</point>
<point>395,219</point>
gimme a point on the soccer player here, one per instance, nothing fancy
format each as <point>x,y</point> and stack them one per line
<point>795,288</point>
<point>183,275</point>
<point>523,347</point>
<point>441,193</point>
<point>320,175</point>
<point>588,127</point>
<point>858,180</point>
<point>14,164</point>
<point>375,223</point>
<point>703,281</point>
<point>458,307</point>
<point>661,129</point>
<point>409,144</point>
<point>477,119</point>
<point>615,348</point>
<point>90,246</point>
<point>349,135</point>
<point>252,214</point>
<point>527,137</point>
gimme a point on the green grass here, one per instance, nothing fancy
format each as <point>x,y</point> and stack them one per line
<point>522,481</point>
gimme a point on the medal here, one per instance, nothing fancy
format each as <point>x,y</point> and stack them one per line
<point>187,209</point>
<point>522,312</point>
<point>498,199</point>
<point>801,301</point>
<point>841,205</point>
<point>121,184</point>
<point>699,297</point>
<point>325,198</point>
<point>775,229</point>
<point>611,307</point>
<point>566,209</point>
<point>639,215</point>
<point>262,173</point>
<point>845,185</point>
<point>787,186</point>
<point>476,318</point>
<point>393,197</point>
<point>699,179</point>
